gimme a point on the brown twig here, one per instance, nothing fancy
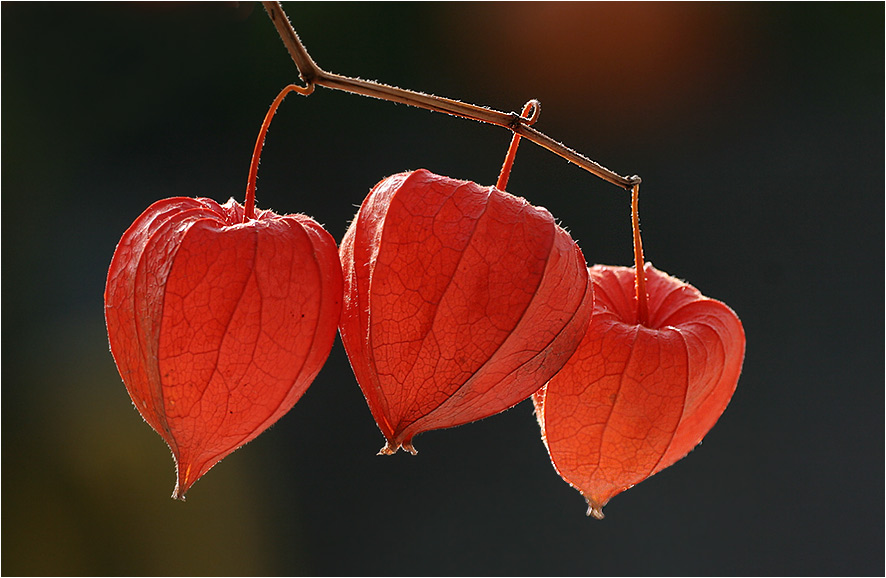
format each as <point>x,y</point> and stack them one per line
<point>312,75</point>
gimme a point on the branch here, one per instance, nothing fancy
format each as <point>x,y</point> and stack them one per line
<point>311,75</point>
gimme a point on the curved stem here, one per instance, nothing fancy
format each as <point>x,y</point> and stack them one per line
<point>249,212</point>
<point>530,113</point>
<point>313,74</point>
<point>639,271</point>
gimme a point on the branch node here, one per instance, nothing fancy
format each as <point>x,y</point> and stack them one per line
<point>519,124</point>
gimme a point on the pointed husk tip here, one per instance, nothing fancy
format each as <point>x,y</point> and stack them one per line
<point>392,447</point>
<point>182,483</point>
<point>595,509</point>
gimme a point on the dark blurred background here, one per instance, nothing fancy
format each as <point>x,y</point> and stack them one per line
<point>758,130</point>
